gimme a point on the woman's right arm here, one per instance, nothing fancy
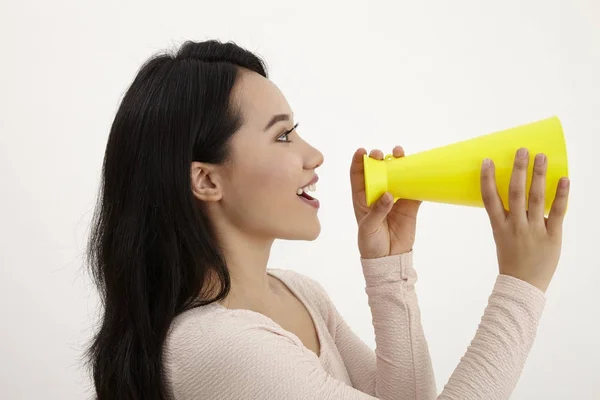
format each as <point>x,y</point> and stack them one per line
<point>529,247</point>
<point>492,365</point>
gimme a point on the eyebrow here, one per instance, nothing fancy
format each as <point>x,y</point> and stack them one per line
<point>277,118</point>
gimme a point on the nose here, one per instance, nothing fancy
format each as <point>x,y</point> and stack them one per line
<point>315,158</point>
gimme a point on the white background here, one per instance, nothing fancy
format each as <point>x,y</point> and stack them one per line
<point>360,73</point>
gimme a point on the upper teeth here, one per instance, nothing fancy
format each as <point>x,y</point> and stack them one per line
<point>308,188</point>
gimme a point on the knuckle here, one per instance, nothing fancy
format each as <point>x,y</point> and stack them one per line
<point>486,196</point>
<point>520,164</point>
<point>515,192</point>
<point>560,201</point>
<point>559,209</point>
<point>562,193</point>
<point>539,171</point>
<point>536,197</point>
<point>518,229</point>
<point>556,235</point>
<point>487,184</point>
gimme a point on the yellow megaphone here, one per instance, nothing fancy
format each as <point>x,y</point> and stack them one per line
<point>451,174</point>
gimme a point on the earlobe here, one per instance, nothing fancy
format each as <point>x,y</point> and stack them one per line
<point>205,182</point>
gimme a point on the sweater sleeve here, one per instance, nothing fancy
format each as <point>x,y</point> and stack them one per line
<point>492,365</point>
<point>401,366</point>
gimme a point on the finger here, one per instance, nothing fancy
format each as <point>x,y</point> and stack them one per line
<point>537,191</point>
<point>517,187</point>
<point>377,214</point>
<point>559,207</point>
<point>406,207</point>
<point>357,169</point>
<point>357,184</point>
<point>489,193</point>
<point>376,154</point>
<point>398,152</point>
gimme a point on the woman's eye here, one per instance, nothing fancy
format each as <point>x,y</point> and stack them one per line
<point>284,137</point>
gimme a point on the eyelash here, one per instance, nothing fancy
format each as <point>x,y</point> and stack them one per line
<point>286,133</point>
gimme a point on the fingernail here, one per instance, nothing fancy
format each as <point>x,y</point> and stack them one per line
<point>564,183</point>
<point>522,153</point>
<point>385,199</point>
<point>487,162</point>
<point>539,159</point>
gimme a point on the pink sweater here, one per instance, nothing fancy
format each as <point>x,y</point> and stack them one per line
<point>216,353</point>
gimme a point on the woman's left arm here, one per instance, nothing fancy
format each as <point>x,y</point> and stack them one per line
<point>390,284</point>
<point>386,235</point>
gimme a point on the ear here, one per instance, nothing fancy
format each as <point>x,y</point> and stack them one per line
<point>205,182</point>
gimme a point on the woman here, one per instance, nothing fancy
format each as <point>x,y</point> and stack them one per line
<point>203,170</point>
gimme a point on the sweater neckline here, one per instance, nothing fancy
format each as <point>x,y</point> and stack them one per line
<point>275,273</point>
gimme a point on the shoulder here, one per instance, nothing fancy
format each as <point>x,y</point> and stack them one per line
<point>212,328</point>
<point>211,339</point>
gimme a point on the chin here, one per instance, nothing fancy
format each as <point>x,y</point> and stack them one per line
<point>314,235</point>
<point>313,231</point>
<point>308,232</point>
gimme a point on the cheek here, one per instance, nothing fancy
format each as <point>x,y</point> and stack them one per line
<point>261,190</point>
<point>276,176</point>
<point>262,194</point>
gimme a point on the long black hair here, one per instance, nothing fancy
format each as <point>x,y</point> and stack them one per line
<point>151,249</point>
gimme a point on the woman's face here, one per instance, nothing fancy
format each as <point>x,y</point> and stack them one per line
<point>268,166</point>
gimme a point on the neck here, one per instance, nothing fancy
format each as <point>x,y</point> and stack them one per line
<point>247,257</point>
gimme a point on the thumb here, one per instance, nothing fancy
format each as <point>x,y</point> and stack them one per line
<point>377,214</point>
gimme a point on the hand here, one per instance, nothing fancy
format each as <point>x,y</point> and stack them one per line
<point>385,228</point>
<point>528,245</point>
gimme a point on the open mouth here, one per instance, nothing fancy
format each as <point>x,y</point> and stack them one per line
<point>303,194</point>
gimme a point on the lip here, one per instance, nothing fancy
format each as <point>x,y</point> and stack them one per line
<point>314,180</point>
<point>313,203</point>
